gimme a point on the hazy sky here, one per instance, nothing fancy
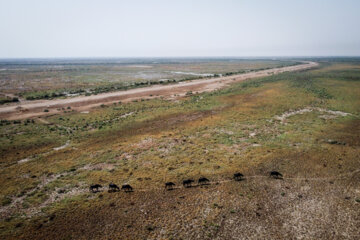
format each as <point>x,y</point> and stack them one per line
<point>116,28</point>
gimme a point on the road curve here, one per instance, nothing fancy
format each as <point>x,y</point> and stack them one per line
<point>29,109</point>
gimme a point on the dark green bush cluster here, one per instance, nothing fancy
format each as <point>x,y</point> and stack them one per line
<point>234,73</point>
<point>8,100</point>
<point>4,122</point>
<point>51,94</point>
<point>43,95</point>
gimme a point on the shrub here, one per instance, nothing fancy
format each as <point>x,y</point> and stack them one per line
<point>150,228</point>
<point>5,201</point>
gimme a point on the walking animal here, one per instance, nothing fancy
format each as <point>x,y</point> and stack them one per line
<point>127,188</point>
<point>187,183</point>
<point>203,181</point>
<point>276,175</point>
<point>94,187</point>
<point>238,176</point>
<point>113,187</point>
<point>169,185</point>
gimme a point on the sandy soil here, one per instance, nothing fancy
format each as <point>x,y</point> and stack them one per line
<point>28,109</point>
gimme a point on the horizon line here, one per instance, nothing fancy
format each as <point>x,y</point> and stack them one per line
<point>125,57</point>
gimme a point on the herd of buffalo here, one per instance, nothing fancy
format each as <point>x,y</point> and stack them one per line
<point>170,185</point>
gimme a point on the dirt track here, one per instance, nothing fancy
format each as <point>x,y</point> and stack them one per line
<point>28,109</point>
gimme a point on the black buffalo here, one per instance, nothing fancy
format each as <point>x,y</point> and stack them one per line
<point>94,188</point>
<point>187,183</point>
<point>276,175</point>
<point>127,188</point>
<point>238,176</point>
<point>203,181</point>
<point>113,187</point>
<point>169,185</point>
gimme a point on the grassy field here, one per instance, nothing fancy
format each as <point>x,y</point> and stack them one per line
<point>60,78</point>
<point>305,125</point>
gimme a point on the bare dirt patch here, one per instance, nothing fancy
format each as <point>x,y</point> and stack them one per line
<point>99,166</point>
<point>332,114</point>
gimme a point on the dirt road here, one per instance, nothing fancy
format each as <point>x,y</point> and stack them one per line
<point>28,109</point>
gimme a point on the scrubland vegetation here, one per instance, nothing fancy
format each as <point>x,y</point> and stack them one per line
<point>47,80</point>
<point>253,127</point>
